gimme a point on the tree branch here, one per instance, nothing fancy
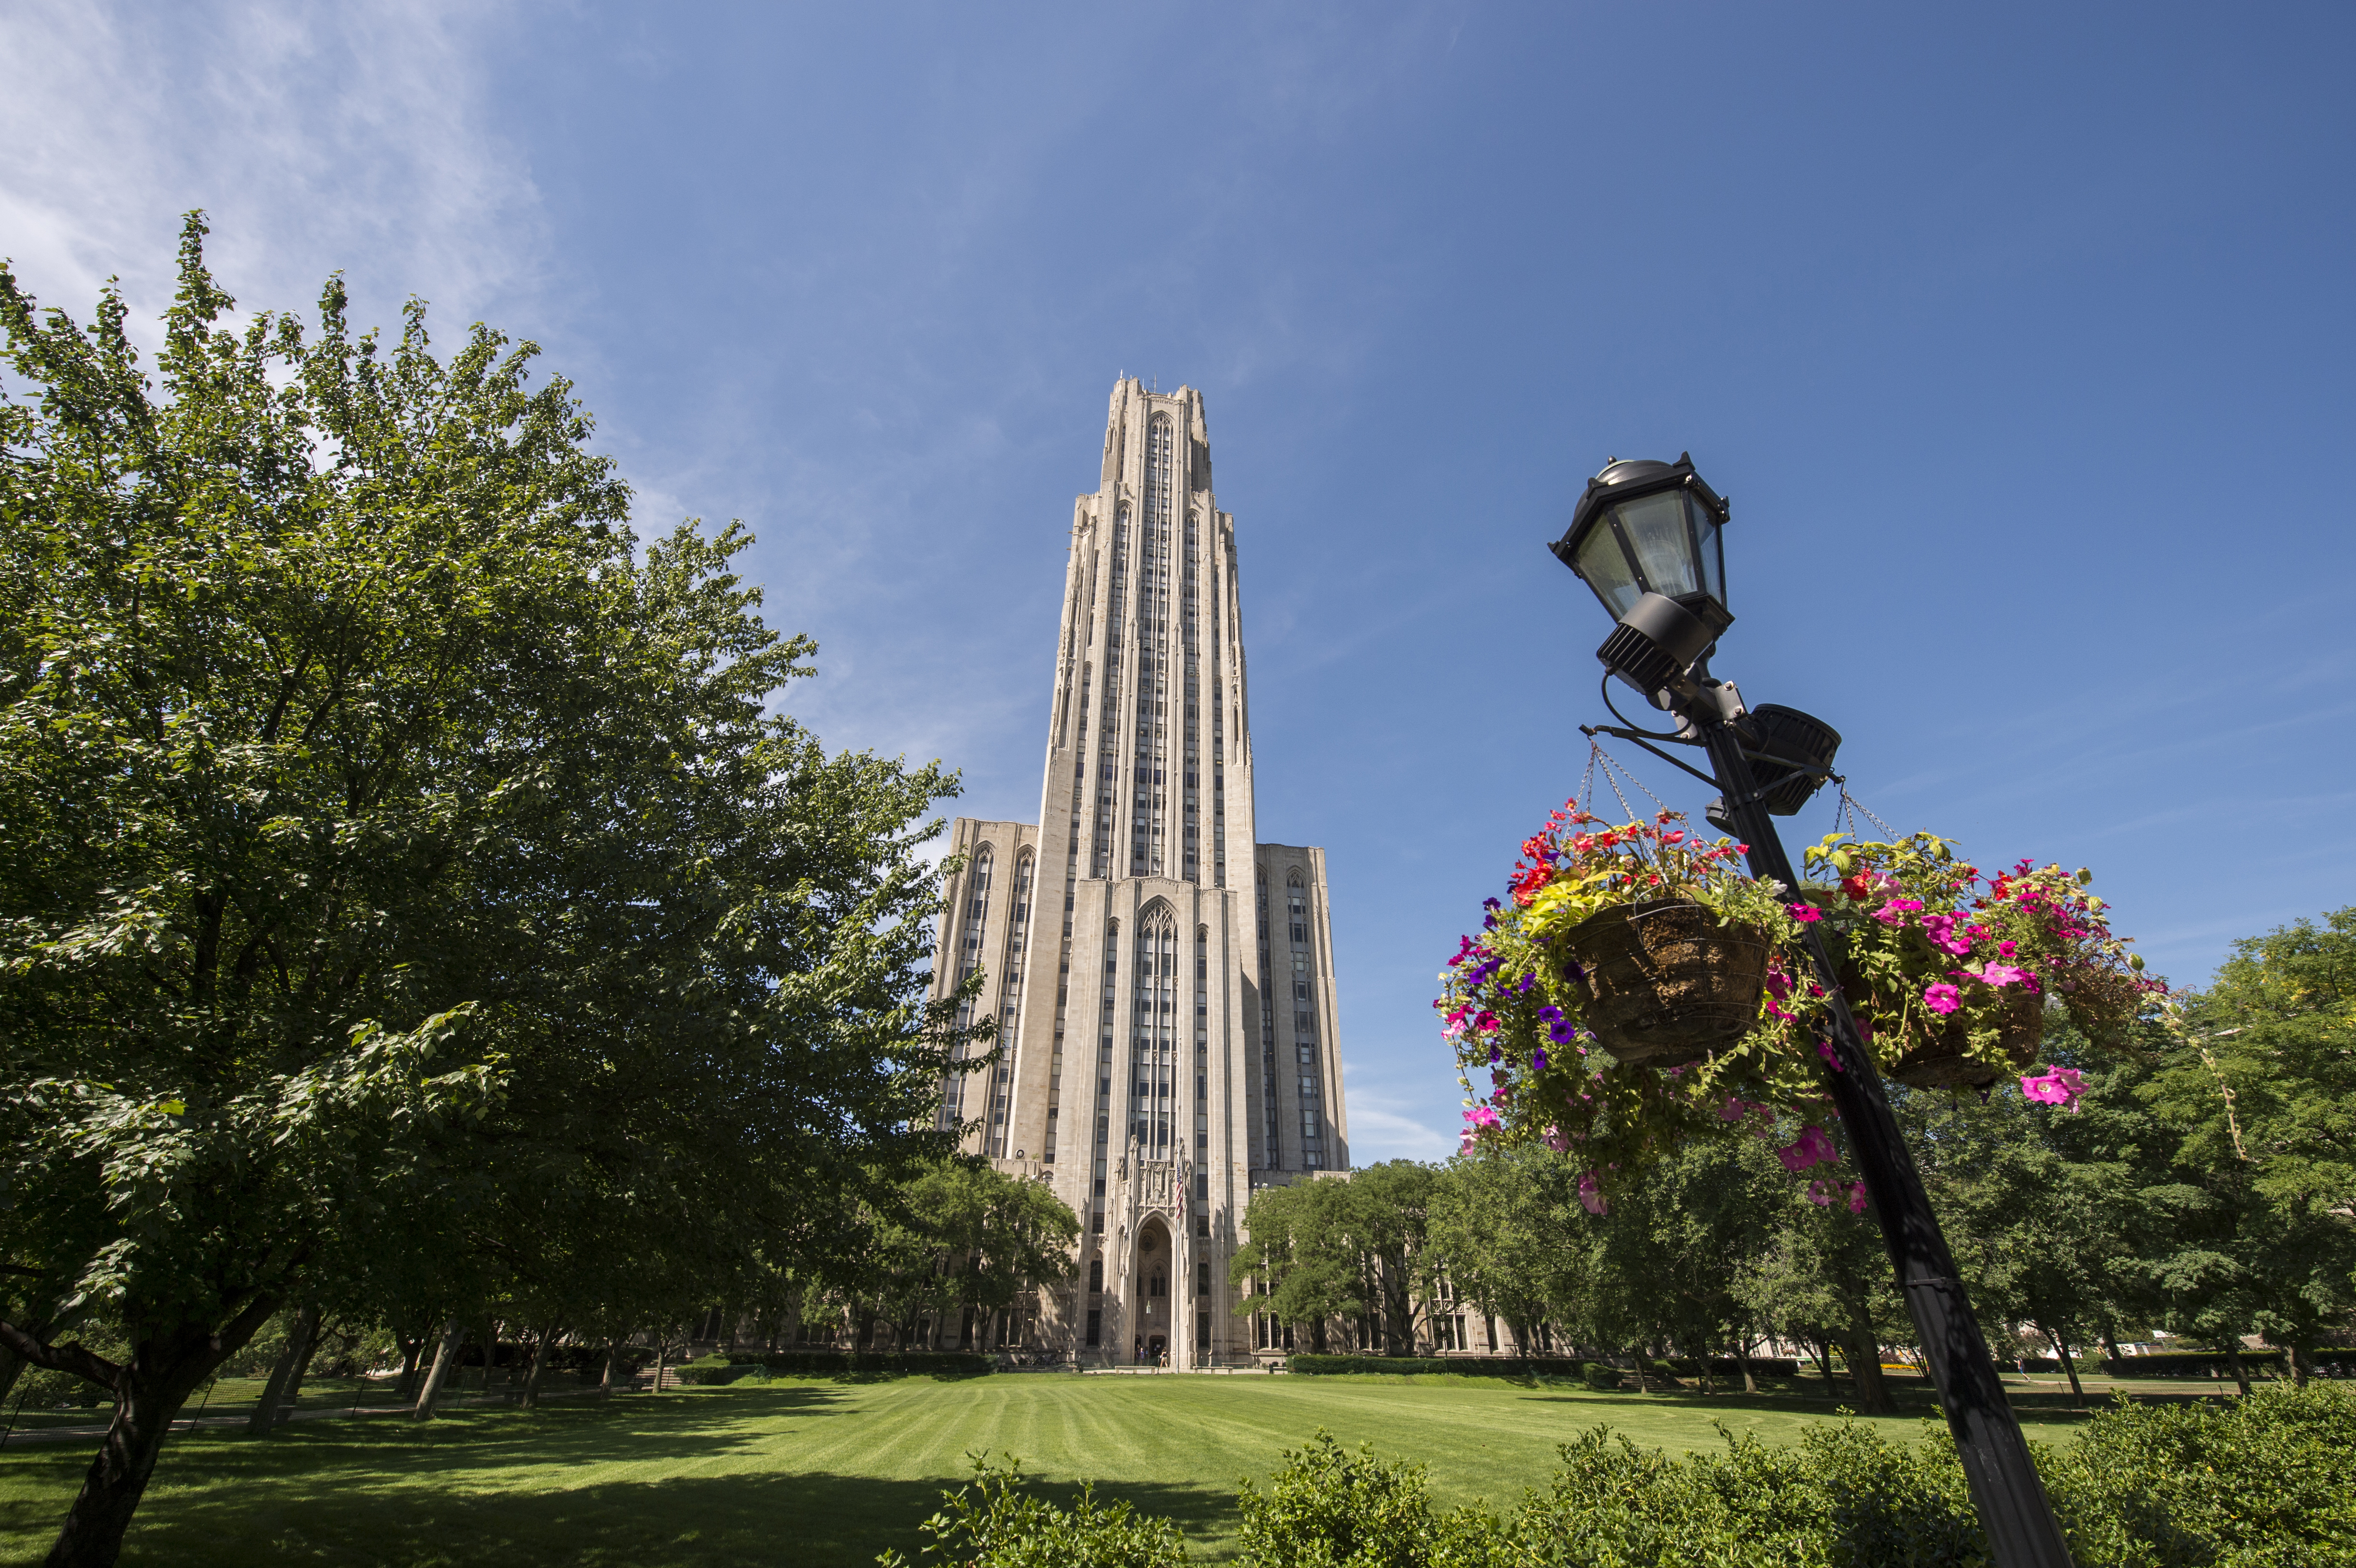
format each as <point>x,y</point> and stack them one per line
<point>72,1359</point>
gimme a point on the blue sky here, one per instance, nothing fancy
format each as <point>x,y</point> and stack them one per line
<point>2020,337</point>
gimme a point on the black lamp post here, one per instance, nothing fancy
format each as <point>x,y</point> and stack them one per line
<point>1645,537</point>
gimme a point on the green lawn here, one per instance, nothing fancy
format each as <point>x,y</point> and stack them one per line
<point>819,1473</point>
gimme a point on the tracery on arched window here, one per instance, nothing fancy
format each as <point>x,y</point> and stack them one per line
<point>1304,1028</point>
<point>970,917</point>
<point>1010,1004</point>
<point>1156,1097</point>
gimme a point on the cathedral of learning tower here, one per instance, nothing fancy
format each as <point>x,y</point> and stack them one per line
<point>1163,983</point>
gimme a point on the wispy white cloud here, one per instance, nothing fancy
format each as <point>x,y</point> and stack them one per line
<point>1387,1126</point>
<point>351,137</point>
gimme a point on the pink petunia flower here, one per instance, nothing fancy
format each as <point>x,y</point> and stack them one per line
<point>1820,1192</point>
<point>1811,1147</point>
<point>1857,1197</point>
<point>1806,914</point>
<point>1942,997</point>
<point>1941,929</point>
<point>1590,1196</point>
<point>1555,1140</point>
<point>2056,1086</point>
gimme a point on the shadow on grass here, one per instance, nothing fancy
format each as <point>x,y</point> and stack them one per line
<point>441,1495</point>
<point>821,1520</point>
<point>1914,1400</point>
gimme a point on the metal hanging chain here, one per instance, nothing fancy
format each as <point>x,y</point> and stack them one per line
<point>1844,817</point>
<point>1612,765</point>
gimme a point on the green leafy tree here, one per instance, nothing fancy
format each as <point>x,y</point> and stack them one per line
<point>2256,1088</point>
<point>397,858</point>
<point>2042,1237</point>
<point>1388,1210</point>
<point>1503,1223</point>
<point>1301,1248</point>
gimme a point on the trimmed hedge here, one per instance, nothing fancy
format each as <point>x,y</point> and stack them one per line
<point>1419,1366</point>
<point>1728,1367</point>
<point>850,1363</point>
<point>1523,1366</point>
<point>2212,1363</point>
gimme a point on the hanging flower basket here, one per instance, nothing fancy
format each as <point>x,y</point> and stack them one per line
<point>1666,984</point>
<point>1945,1059</point>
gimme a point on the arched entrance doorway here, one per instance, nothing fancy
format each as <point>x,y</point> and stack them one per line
<point>1156,1267</point>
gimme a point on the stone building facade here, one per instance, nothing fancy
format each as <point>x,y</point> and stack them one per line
<point>1163,981</point>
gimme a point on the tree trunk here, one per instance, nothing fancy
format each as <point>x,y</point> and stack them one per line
<point>1865,1369</point>
<point>298,1350</point>
<point>613,1364</point>
<point>1822,1349</point>
<point>446,1356</point>
<point>662,1350</point>
<point>1742,1353</point>
<point>412,1352</point>
<point>1639,1359</point>
<point>490,1352</point>
<point>292,1397</point>
<point>2240,1372</point>
<point>2061,1348</point>
<point>531,1398</point>
<point>2301,1365</point>
<point>164,1369</point>
<point>2110,1343</point>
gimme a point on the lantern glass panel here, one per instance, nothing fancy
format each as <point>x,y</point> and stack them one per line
<point>1605,566</point>
<point>1712,549</point>
<point>1656,528</point>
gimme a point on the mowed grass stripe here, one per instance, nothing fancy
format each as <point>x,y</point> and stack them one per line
<point>821,1474</point>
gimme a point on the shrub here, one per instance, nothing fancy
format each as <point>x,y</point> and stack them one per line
<point>1728,1366</point>
<point>2266,1482</point>
<point>1599,1377</point>
<point>997,1521</point>
<point>2263,1482</point>
<point>2205,1363</point>
<point>1326,1507</point>
<point>707,1371</point>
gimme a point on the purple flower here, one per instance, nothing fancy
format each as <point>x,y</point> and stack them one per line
<point>1538,1059</point>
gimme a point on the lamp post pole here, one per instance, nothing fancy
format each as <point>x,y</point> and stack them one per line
<point>2006,1491</point>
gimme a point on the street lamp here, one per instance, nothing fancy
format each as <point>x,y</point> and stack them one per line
<point>1645,537</point>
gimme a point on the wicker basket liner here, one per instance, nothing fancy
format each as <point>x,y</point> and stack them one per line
<point>1666,984</point>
